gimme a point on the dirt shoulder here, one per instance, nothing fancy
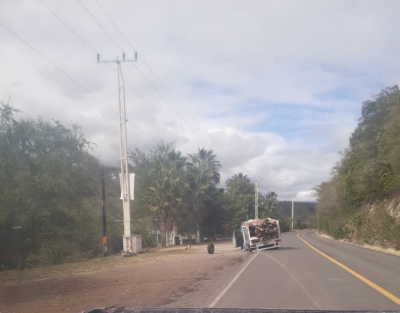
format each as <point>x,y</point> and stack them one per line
<point>168,277</point>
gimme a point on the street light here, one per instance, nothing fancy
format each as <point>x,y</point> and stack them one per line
<point>103,208</point>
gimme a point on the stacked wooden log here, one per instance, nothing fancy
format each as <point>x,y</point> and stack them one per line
<point>264,230</point>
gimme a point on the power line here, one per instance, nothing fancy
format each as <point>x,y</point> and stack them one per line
<point>162,96</point>
<point>165,86</point>
<point>87,10</point>
<point>212,139</point>
<point>69,76</point>
<point>112,39</point>
<point>143,132</point>
<point>75,81</point>
<point>110,66</point>
<point>93,49</point>
<point>76,34</point>
<point>114,24</point>
<point>173,109</point>
<point>98,23</point>
<point>155,110</point>
<point>58,68</point>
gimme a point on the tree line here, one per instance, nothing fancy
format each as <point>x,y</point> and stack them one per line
<point>50,204</point>
<point>361,198</point>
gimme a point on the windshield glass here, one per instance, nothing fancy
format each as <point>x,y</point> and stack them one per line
<point>199,154</point>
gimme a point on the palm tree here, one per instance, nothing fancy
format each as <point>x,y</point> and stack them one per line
<point>239,183</point>
<point>208,160</point>
<point>178,163</point>
<point>201,186</point>
<point>271,202</point>
<point>167,185</point>
<point>203,176</point>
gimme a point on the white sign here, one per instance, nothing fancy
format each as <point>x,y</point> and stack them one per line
<point>131,186</point>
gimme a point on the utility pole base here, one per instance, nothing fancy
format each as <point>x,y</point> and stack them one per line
<point>127,244</point>
<point>132,244</point>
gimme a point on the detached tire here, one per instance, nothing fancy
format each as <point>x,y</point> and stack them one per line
<point>210,248</point>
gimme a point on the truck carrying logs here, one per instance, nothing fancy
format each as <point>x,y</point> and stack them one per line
<point>261,234</point>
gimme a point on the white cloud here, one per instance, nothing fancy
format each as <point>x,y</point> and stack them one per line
<point>278,85</point>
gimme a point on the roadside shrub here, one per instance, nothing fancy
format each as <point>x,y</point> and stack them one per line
<point>339,230</point>
<point>284,225</point>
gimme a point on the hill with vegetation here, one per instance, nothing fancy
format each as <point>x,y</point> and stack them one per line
<point>304,213</point>
<point>361,200</point>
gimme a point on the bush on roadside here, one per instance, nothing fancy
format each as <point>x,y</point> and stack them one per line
<point>284,225</point>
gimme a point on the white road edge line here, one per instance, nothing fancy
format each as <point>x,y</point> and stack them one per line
<point>223,292</point>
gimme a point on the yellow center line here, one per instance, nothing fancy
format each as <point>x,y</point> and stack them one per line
<point>387,294</point>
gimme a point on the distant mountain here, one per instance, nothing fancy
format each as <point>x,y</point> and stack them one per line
<point>302,210</point>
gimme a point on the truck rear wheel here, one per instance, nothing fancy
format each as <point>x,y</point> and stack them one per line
<point>237,238</point>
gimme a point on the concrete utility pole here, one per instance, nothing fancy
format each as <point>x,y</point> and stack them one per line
<point>123,150</point>
<point>292,209</point>
<point>256,200</point>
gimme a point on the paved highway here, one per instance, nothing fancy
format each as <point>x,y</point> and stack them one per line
<point>336,277</point>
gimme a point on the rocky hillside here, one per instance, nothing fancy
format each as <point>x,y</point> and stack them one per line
<point>361,200</point>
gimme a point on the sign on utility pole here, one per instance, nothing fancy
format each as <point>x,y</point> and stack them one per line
<point>127,244</point>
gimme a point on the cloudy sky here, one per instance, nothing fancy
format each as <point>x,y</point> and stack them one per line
<point>273,87</point>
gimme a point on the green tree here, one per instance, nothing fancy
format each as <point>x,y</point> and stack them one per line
<point>270,203</point>
<point>206,159</point>
<point>202,176</point>
<point>367,174</point>
<point>46,173</point>
<point>167,186</point>
<point>239,199</point>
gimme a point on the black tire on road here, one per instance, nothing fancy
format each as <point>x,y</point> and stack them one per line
<point>210,248</point>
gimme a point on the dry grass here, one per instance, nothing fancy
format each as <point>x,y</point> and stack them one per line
<point>366,246</point>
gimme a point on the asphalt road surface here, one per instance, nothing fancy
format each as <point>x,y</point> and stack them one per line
<point>296,276</point>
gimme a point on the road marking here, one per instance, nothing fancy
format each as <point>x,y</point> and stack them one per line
<point>223,292</point>
<point>295,279</point>
<point>387,294</point>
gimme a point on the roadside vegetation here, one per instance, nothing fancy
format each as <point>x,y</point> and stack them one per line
<point>361,200</point>
<point>50,195</point>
